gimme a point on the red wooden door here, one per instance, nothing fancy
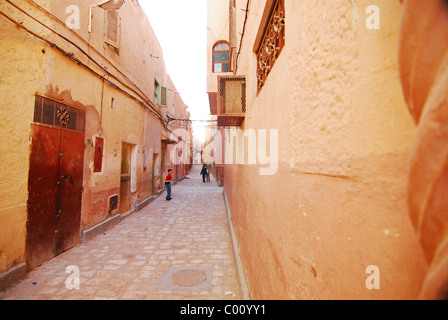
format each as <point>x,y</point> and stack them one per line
<point>55,192</point>
<point>68,232</point>
<point>42,195</point>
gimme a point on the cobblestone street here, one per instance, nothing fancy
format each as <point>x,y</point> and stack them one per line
<point>171,250</point>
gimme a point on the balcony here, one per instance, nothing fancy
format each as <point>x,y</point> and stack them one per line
<point>231,100</point>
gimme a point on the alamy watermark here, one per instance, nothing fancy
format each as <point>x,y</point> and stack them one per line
<point>373,280</point>
<point>231,147</point>
<point>234,146</point>
<point>73,20</point>
<point>73,281</point>
<point>373,21</point>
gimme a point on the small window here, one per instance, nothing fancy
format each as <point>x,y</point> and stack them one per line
<point>113,204</point>
<point>112,28</point>
<point>98,158</point>
<point>221,57</point>
<point>53,113</point>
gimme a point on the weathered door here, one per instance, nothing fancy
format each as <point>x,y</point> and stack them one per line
<point>70,177</point>
<point>55,187</point>
<point>42,197</point>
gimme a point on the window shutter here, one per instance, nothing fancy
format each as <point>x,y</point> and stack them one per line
<point>163,97</point>
<point>112,28</point>
<point>156,92</point>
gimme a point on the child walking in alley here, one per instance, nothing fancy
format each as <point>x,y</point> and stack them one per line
<point>168,181</point>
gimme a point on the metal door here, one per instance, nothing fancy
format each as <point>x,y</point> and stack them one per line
<point>55,188</point>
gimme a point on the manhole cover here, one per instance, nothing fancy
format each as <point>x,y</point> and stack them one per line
<point>189,278</point>
<point>186,279</point>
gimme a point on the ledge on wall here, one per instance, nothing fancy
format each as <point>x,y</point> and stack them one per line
<point>100,228</point>
<point>12,276</point>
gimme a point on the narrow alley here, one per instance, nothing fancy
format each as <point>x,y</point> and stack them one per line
<point>324,125</point>
<point>181,249</point>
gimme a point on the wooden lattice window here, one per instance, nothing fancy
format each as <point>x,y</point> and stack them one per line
<point>232,95</point>
<point>221,57</point>
<point>272,42</point>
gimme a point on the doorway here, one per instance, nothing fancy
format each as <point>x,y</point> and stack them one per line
<point>55,181</point>
<point>128,175</point>
<point>155,173</point>
<point>125,184</point>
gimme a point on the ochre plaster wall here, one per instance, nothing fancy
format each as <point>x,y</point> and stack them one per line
<point>31,66</point>
<point>16,115</point>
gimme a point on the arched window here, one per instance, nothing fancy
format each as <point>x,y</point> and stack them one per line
<point>221,57</point>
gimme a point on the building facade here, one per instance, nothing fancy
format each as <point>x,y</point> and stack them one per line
<point>85,131</point>
<point>315,140</point>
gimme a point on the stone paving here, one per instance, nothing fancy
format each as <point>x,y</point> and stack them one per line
<point>171,250</point>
